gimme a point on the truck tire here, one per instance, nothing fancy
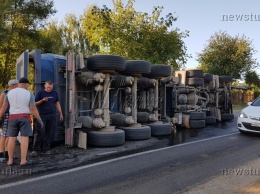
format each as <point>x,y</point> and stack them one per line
<point>197,115</point>
<point>225,78</point>
<point>210,113</point>
<point>227,117</point>
<point>142,117</point>
<point>133,67</point>
<point>160,129</point>
<point>106,139</point>
<point>106,62</point>
<point>160,71</point>
<point>209,120</point>
<point>195,81</point>
<point>143,82</point>
<point>197,124</point>
<point>117,119</point>
<point>194,73</point>
<point>137,133</point>
<point>208,77</point>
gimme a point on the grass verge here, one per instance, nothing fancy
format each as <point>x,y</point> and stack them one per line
<point>239,106</point>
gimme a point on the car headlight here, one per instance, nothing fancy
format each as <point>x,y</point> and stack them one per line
<point>243,115</point>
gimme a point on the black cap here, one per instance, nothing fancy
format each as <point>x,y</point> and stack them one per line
<point>24,80</point>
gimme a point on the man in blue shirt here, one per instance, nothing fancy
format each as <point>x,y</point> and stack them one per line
<point>47,102</point>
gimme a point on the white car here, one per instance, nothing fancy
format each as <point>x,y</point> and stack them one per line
<point>249,118</point>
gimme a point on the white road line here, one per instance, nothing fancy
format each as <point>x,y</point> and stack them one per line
<point>107,161</point>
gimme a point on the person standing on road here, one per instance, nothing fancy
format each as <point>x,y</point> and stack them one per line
<point>13,83</point>
<point>47,102</point>
<point>22,103</point>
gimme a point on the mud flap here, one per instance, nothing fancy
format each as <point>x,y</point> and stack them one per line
<point>187,121</point>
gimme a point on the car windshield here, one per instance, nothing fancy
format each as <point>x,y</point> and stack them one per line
<point>256,102</point>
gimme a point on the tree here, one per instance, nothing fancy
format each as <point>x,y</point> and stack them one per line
<point>19,24</point>
<point>74,37</point>
<point>226,55</point>
<point>252,78</point>
<point>68,35</point>
<point>135,35</point>
<point>50,40</point>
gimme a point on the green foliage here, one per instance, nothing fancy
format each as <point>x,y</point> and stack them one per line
<point>50,40</point>
<point>226,55</point>
<point>135,35</point>
<point>252,77</point>
<point>253,88</point>
<point>19,24</point>
<point>257,93</point>
<point>68,35</point>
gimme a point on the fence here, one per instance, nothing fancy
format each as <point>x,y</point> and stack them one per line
<point>239,96</point>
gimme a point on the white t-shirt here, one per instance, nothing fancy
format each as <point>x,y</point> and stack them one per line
<point>19,100</point>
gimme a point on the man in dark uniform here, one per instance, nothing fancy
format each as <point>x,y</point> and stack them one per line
<point>47,102</point>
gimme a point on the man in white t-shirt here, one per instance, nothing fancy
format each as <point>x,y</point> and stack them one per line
<point>21,103</point>
<point>13,83</point>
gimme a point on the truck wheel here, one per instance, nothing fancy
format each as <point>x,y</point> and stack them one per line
<point>197,115</point>
<point>227,117</point>
<point>117,119</point>
<point>160,71</point>
<point>106,62</point>
<point>225,78</point>
<point>106,139</point>
<point>137,133</point>
<point>142,117</point>
<point>195,81</point>
<point>209,120</point>
<point>208,77</point>
<point>197,124</point>
<point>133,67</point>
<point>160,129</point>
<point>194,73</point>
<point>210,113</point>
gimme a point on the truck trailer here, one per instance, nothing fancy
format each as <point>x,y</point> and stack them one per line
<point>107,100</point>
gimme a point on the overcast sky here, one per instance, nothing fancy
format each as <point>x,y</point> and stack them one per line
<point>201,17</point>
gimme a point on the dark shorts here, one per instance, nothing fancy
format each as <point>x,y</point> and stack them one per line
<point>5,125</point>
<point>19,125</point>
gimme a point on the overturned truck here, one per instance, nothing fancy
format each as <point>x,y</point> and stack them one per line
<point>107,100</point>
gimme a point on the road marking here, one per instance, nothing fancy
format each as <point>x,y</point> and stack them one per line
<point>107,161</point>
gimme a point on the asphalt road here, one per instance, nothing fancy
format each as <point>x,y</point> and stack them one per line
<point>185,162</point>
<point>173,169</point>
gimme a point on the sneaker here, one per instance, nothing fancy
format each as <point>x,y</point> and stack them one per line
<point>28,162</point>
<point>33,154</point>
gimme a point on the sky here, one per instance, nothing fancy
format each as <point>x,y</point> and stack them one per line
<point>202,18</point>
